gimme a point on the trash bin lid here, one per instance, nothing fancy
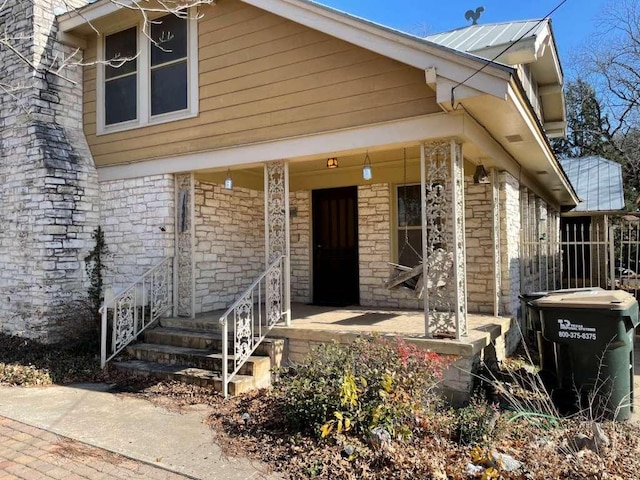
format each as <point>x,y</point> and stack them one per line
<point>602,299</point>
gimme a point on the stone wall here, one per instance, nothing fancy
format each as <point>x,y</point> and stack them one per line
<point>374,244</point>
<point>137,216</point>
<point>510,226</point>
<point>300,232</point>
<point>229,250</point>
<point>479,242</point>
<point>48,183</point>
<point>510,242</point>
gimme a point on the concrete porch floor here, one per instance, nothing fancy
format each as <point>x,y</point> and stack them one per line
<point>343,324</point>
<point>321,324</point>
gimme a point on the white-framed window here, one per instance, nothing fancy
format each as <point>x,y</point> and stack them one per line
<point>145,81</point>
<point>408,228</point>
<point>408,224</point>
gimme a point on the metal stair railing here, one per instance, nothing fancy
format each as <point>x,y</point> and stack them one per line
<point>252,317</point>
<point>131,311</point>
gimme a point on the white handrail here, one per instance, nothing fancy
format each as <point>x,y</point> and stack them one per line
<point>247,334</point>
<point>135,308</point>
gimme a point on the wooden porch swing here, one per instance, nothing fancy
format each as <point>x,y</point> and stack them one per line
<point>439,263</point>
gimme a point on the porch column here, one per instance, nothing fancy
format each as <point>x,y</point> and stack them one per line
<point>183,269</point>
<point>495,216</point>
<point>444,252</point>
<point>276,224</point>
<point>460,252</point>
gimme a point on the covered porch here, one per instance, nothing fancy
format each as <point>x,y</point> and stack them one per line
<point>347,238</point>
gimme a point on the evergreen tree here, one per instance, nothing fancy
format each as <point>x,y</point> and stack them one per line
<point>587,127</point>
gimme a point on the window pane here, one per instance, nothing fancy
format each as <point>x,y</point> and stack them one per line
<point>119,46</point>
<point>406,254</point>
<point>409,210</point>
<point>171,36</point>
<point>120,102</point>
<point>169,88</point>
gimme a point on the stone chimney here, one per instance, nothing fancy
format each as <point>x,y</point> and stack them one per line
<point>49,205</point>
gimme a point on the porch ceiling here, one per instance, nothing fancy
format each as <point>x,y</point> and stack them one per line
<point>312,173</point>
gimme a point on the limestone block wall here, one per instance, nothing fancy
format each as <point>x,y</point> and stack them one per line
<point>48,183</point>
<point>374,243</point>
<point>300,233</point>
<point>479,243</point>
<point>137,216</point>
<point>229,250</point>
<point>510,226</point>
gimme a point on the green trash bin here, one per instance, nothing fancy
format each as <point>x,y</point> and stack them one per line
<point>533,326</point>
<point>593,333</point>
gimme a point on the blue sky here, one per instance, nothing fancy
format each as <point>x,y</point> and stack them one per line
<point>572,23</point>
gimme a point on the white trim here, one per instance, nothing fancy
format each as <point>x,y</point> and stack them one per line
<point>526,114</point>
<point>88,14</point>
<point>143,93</point>
<point>398,132</point>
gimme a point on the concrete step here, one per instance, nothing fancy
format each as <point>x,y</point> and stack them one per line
<point>196,357</point>
<point>185,373</point>
<point>180,337</point>
<point>206,323</point>
<point>206,340</point>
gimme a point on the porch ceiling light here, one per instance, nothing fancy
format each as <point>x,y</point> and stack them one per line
<point>228,182</point>
<point>332,162</point>
<point>481,175</point>
<point>367,173</point>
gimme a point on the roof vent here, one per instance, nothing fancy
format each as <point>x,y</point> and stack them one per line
<point>513,138</point>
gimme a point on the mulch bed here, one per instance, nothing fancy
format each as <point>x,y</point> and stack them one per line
<point>252,425</point>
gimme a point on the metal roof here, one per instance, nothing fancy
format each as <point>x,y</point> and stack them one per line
<point>597,181</point>
<point>479,37</point>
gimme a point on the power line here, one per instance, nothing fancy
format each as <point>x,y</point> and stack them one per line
<point>489,62</point>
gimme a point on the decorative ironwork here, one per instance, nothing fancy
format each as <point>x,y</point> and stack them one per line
<point>276,210</point>
<point>274,297</point>
<point>160,290</point>
<point>185,240</point>
<point>243,315</point>
<point>125,319</point>
<point>130,312</point>
<point>444,232</point>
<point>276,188</point>
<point>251,318</point>
<point>458,234</point>
<point>497,259</point>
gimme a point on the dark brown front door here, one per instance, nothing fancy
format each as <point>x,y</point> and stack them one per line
<point>335,246</point>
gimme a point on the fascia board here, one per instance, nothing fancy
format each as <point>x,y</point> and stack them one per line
<point>518,99</point>
<point>76,18</point>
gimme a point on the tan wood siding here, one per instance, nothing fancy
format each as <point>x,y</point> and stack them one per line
<point>263,78</point>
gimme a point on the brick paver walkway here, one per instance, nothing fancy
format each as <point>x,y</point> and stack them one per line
<point>29,453</point>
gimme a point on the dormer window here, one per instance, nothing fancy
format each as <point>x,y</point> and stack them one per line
<point>145,79</point>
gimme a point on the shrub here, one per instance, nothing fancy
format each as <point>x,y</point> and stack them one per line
<point>475,423</point>
<point>369,383</point>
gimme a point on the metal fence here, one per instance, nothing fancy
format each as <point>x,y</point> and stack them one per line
<point>603,252</point>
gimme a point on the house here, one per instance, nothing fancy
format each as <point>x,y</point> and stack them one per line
<point>283,141</point>
<point>585,229</point>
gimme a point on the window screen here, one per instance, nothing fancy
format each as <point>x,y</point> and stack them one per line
<point>121,79</point>
<point>169,65</point>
